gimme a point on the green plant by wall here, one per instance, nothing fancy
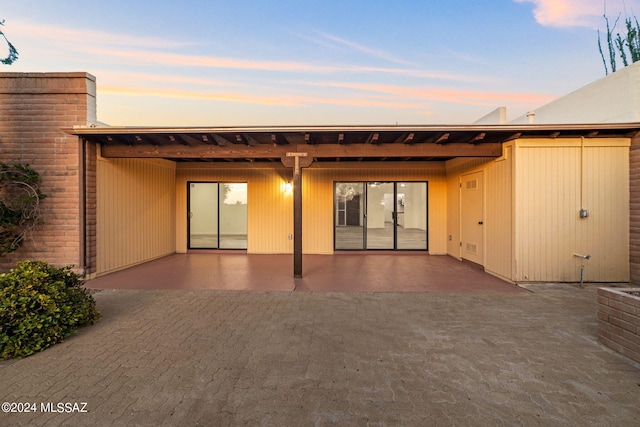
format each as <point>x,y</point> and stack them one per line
<point>41,305</point>
<point>20,198</point>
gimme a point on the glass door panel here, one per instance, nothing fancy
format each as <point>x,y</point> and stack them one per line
<point>411,214</point>
<point>233,216</point>
<point>381,215</point>
<point>203,215</point>
<point>349,211</point>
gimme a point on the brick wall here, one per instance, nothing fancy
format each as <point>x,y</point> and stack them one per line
<point>619,321</point>
<point>634,220</point>
<point>34,107</point>
<point>91,202</point>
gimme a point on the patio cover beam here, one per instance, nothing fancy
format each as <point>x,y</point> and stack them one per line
<point>242,151</point>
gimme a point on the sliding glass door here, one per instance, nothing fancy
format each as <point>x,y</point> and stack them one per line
<point>217,215</point>
<point>380,215</point>
<point>349,215</point>
<point>411,215</point>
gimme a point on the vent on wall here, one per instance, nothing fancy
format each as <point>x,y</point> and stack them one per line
<point>472,184</point>
<point>472,248</point>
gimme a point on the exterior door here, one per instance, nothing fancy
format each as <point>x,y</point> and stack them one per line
<point>217,215</point>
<point>203,215</point>
<point>381,215</point>
<point>471,217</point>
<point>411,215</point>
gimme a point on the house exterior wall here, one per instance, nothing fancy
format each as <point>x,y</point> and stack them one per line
<point>634,215</point>
<point>499,208</point>
<point>533,195</point>
<point>454,170</point>
<point>135,212</point>
<point>269,206</point>
<point>34,107</point>
<point>318,214</point>
<point>554,180</point>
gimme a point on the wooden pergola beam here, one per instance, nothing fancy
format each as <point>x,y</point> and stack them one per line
<point>230,151</point>
<point>373,138</point>
<point>318,150</point>
<point>404,150</point>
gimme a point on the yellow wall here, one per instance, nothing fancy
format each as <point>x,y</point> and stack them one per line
<point>499,214</point>
<point>134,212</point>
<point>554,180</point>
<point>531,210</point>
<point>317,184</point>
<point>269,207</point>
<point>454,169</point>
<point>532,198</point>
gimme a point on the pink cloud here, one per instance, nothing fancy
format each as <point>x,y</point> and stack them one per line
<point>579,13</point>
<point>79,36</point>
<point>182,60</point>
<point>112,48</point>
<point>252,98</point>
<point>455,96</point>
<point>211,96</point>
<point>371,96</point>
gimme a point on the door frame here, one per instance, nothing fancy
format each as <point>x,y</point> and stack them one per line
<point>218,248</point>
<point>479,258</point>
<point>364,201</point>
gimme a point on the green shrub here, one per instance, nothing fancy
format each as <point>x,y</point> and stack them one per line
<point>41,305</point>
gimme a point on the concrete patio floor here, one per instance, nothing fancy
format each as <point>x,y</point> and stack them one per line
<point>344,272</point>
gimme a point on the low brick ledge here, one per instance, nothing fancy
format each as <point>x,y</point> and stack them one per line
<point>619,320</point>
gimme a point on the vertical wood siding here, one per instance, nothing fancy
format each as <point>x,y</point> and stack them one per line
<point>499,213</point>
<point>135,212</point>
<point>551,180</point>
<point>453,214</point>
<point>269,207</point>
<point>318,215</point>
<point>498,210</point>
<point>634,214</point>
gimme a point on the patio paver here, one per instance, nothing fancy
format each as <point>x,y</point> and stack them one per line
<point>222,358</point>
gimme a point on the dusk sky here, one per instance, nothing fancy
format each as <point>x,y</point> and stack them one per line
<point>219,63</point>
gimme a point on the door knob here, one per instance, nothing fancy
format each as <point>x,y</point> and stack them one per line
<point>480,222</point>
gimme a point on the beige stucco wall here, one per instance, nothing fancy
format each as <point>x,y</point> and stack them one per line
<point>135,212</point>
<point>612,99</point>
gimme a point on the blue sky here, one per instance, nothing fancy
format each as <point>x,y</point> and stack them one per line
<point>219,63</point>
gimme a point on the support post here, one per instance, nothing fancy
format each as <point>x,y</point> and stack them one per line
<point>297,219</point>
<point>300,160</point>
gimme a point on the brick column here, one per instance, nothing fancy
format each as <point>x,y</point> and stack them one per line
<point>634,209</point>
<point>34,107</point>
